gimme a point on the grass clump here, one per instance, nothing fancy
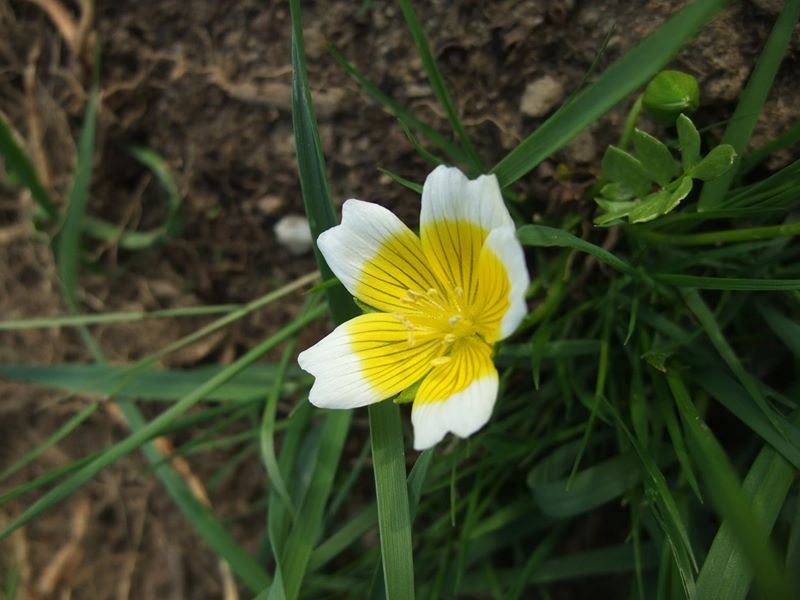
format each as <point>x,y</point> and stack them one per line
<point>647,435</point>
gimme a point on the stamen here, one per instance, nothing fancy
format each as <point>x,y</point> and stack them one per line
<point>442,360</point>
<point>404,321</point>
<point>459,292</point>
<point>449,338</point>
<point>454,319</point>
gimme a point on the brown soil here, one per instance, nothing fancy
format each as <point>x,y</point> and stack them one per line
<point>206,85</point>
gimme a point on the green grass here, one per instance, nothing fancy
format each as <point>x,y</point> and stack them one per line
<point>646,439</point>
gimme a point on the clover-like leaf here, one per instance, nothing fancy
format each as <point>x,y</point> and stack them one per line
<point>680,192</point>
<point>615,212</point>
<point>689,141</point>
<point>617,192</point>
<point>714,164</point>
<point>650,207</point>
<point>655,157</point>
<point>621,167</point>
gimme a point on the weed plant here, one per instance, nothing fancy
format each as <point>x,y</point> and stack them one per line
<point>646,440</point>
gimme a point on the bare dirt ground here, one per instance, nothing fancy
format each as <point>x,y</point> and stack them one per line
<point>206,85</point>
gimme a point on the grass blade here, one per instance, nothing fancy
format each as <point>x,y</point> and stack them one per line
<point>115,317</point>
<point>68,242</point>
<point>105,380</point>
<point>712,329</point>
<point>729,500</point>
<point>751,102</point>
<point>18,164</point>
<point>724,575</point>
<point>311,168</point>
<point>437,82</point>
<point>540,235</point>
<point>728,283</point>
<point>147,432</point>
<point>392,497</point>
<point>621,79</point>
<point>403,114</point>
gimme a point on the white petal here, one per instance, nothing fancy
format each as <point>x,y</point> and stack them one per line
<point>448,195</point>
<point>365,360</point>
<point>346,247</point>
<point>503,243</point>
<point>375,256</point>
<point>339,382</point>
<point>456,396</point>
<point>463,413</point>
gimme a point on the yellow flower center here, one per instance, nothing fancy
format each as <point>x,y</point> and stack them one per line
<point>445,316</point>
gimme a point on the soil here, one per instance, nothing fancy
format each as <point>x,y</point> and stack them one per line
<point>206,85</point>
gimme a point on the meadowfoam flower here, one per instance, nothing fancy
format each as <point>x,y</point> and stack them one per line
<point>442,300</point>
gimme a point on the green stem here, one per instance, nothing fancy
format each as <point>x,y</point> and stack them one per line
<point>721,237</point>
<point>630,123</point>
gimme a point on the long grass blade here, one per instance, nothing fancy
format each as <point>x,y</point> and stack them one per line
<point>621,79</point>
<point>725,574</point>
<point>540,235</point>
<point>729,499</point>
<point>311,168</point>
<point>393,507</point>
<point>148,431</point>
<point>437,82</point>
<point>403,114</point>
<point>18,164</point>
<point>751,101</point>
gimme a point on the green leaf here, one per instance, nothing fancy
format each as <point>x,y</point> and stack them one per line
<point>616,192</point>
<point>618,82</point>
<point>650,207</point>
<point>655,157</point>
<point>677,195</point>
<point>669,94</point>
<point>714,164</point>
<point>621,167</point>
<point>689,142</point>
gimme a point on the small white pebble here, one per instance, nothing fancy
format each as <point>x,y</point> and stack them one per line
<point>294,233</point>
<point>541,96</point>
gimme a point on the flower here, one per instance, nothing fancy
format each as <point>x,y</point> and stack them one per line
<point>441,302</point>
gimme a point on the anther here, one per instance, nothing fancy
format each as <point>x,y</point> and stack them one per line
<point>449,338</point>
<point>442,360</point>
<point>403,321</point>
<point>454,319</point>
